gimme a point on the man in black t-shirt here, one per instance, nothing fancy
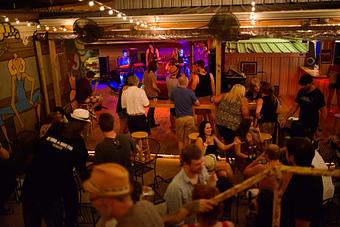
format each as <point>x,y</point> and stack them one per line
<point>50,190</point>
<point>311,103</point>
<point>115,147</point>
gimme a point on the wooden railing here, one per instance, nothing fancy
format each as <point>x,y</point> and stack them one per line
<point>277,171</point>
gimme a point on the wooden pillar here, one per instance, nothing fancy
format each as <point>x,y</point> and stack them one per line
<point>277,198</point>
<point>55,72</point>
<point>43,76</point>
<point>218,45</point>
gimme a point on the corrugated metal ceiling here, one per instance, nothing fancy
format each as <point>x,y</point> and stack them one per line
<point>266,45</point>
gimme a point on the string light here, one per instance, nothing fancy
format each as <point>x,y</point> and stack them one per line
<point>111,11</point>
<point>38,26</point>
<point>17,21</point>
<point>47,28</point>
<point>6,19</point>
<point>252,15</point>
<point>28,24</point>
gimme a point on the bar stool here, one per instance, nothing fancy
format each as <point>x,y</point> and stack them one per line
<point>142,145</point>
<point>193,137</point>
<point>267,138</point>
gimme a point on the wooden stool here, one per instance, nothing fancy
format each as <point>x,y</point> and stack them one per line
<point>193,137</point>
<point>267,138</point>
<point>142,145</point>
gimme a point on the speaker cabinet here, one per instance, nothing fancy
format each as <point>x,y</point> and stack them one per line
<point>104,66</point>
<point>337,54</point>
<point>310,56</point>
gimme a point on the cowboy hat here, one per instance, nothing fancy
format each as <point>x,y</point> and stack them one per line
<point>81,115</point>
<point>108,179</point>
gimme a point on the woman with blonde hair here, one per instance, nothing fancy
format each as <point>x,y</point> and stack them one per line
<point>232,109</point>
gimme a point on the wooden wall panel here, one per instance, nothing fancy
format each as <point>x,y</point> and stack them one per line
<point>278,69</point>
<point>216,2</point>
<point>196,3</point>
<point>166,3</point>
<point>186,3</point>
<point>157,3</point>
<point>176,3</point>
<point>147,4</point>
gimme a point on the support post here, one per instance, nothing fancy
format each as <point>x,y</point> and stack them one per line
<point>43,75</point>
<point>55,72</point>
<point>218,45</point>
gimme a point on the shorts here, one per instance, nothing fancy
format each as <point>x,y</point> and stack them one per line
<point>185,126</point>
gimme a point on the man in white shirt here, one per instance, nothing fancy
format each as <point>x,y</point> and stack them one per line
<point>135,100</point>
<point>328,186</point>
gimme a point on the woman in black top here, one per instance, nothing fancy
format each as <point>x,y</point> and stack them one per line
<point>254,90</point>
<point>209,144</point>
<point>266,109</point>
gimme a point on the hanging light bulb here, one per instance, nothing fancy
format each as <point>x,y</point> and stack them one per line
<point>110,12</point>
<point>131,20</point>
<point>38,26</point>
<point>54,29</point>
<point>146,25</point>
<point>28,24</point>
<point>17,21</point>
<point>47,28</point>
<point>101,8</point>
<point>253,3</point>
<point>138,23</point>
<point>119,15</point>
<point>64,29</point>
<point>253,8</point>
<point>6,19</point>
<point>91,3</point>
<point>124,17</point>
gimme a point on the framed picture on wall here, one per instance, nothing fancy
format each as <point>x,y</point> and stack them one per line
<point>249,68</point>
<point>326,57</point>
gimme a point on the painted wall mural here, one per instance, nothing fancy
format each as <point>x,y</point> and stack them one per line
<point>20,101</point>
<point>7,30</point>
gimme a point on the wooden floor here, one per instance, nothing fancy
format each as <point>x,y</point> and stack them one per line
<point>166,167</point>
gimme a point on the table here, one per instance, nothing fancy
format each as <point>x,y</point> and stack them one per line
<point>313,72</point>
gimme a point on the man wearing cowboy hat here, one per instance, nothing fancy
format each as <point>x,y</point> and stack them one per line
<point>109,187</point>
<point>49,189</point>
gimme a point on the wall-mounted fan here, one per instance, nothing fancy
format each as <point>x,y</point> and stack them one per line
<point>87,30</point>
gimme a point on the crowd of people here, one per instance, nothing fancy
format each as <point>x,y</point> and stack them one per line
<point>50,191</point>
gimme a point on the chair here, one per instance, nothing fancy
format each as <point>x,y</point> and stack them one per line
<point>87,215</point>
<point>141,167</point>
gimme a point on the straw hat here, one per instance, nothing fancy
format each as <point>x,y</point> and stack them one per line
<point>81,115</point>
<point>109,179</point>
<point>173,70</point>
<point>210,162</point>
